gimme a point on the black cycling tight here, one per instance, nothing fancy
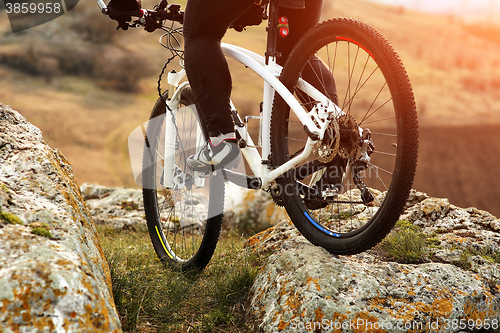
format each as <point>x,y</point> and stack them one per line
<point>205,23</point>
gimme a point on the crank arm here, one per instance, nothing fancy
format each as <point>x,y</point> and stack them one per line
<point>242,180</point>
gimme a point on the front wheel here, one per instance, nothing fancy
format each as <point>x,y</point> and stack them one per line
<point>351,191</point>
<point>183,209</point>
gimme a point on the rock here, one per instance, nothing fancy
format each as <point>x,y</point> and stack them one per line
<point>254,214</point>
<point>304,288</point>
<point>53,273</point>
<point>120,208</point>
<point>117,207</point>
<point>466,229</point>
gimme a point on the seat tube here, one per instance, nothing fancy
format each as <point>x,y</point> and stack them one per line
<point>270,63</point>
<point>266,117</point>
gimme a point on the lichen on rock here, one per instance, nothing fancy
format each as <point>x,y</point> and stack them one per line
<point>47,284</point>
<point>304,288</point>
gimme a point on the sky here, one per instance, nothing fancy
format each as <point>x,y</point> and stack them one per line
<point>465,8</point>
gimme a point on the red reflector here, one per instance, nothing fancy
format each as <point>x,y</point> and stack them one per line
<point>284,32</point>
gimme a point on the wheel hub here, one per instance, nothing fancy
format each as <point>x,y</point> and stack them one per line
<point>341,137</point>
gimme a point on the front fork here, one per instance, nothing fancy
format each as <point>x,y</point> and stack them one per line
<point>170,146</point>
<point>173,177</point>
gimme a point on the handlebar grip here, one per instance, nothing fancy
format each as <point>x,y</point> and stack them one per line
<point>110,11</point>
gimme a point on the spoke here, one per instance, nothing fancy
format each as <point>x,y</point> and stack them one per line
<point>350,211</point>
<point>358,87</point>
<point>379,168</point>
<point>384,134</point>
<point>384,153</point>
<point>192,131</point>
<point>157,151</point>
<point>362,73</point>
<point>362,85</point>
<point>328,61</point>
<point>319,74</point>
<point>376,168</point>
<point>349,78</point>
<point>161,206</point>
<point>377,121</point>
<point>334,57</point>
<point>367,115</point>
<point>380,107</point>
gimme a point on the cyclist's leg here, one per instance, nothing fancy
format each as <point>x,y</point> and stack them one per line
<point>316,73</point>
<point>300,21</point>
<point>205,24</point>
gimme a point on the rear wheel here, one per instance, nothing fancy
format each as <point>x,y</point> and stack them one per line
<point>183,218</point>
<point>349,194</point>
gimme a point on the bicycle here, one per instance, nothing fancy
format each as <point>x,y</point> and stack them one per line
<point>342,162</point>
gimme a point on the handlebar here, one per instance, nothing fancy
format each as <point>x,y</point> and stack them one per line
<point>149,19</point>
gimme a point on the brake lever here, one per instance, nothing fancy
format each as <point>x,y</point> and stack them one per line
<point>151,23</point>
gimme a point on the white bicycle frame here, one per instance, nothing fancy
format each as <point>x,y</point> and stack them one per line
<point>322,113</point>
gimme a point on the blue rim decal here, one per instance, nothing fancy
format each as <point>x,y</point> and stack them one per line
<point>328,232</point>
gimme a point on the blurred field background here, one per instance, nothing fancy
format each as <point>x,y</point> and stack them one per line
<point>87,86</point>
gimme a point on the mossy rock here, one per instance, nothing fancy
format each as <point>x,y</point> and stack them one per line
<point>9,218</point>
